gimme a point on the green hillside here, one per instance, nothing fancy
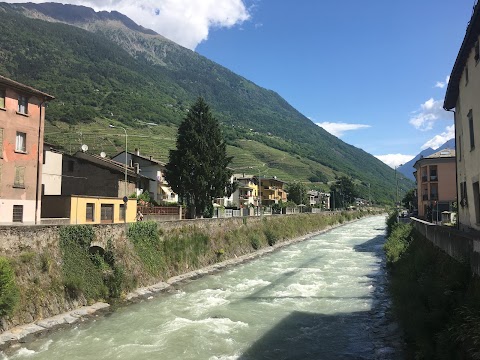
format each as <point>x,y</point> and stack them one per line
<point>117,72</point>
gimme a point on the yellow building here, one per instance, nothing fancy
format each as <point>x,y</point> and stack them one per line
<point>272,191</point>
<point>91,209</point>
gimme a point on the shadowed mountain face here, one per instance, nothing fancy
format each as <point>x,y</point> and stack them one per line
<point>119,70</point>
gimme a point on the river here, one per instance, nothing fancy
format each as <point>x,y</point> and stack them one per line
<point>323,298</point>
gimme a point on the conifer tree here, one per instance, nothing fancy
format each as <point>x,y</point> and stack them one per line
<point>197,169</point>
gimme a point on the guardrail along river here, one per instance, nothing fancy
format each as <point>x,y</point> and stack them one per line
<point>323,298</point>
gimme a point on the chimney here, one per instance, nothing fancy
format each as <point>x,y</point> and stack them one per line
<point>137,152</point>
<point>150,157</point>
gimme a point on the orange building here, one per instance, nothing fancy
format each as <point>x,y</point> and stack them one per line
<point>436,184</point>
<point>22,118</point>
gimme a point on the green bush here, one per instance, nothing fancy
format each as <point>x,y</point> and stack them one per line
<point>9,293</point>
<point>398,241</point>
<point>391,221</point>
<point>255,241</point>
<point>146,241</point>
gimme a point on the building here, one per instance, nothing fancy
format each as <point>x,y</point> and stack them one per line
<point>436,187</point>
<point>462,97</point>
<point>22,120</point>
<point>246,192</point>
<point>272,191</point>
<point>153,169</point>
<point>91,190</point>
<point>319,199</point>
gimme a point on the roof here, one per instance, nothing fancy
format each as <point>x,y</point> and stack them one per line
<point>107,163</point>
<point>24,88</point>
<point>471,37</point>
<point>445,154</point>
<point>147,158</point>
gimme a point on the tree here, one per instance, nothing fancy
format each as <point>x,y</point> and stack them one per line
<point>197,169</point>
<point>297,192</point>
<point>410,200</point>
<point>343,192</point>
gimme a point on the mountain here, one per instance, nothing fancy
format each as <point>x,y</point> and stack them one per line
<point>103,68</point>
<point>407,169</point>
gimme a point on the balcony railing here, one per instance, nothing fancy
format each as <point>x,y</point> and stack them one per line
<point>425,197</point>
<point>433,178</point>
<point>424,178</point>
<point>433,196</point>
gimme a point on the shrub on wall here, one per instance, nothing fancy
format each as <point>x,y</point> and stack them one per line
<point>96,275</point>
<point>145,238</point>
<point>9,294</point>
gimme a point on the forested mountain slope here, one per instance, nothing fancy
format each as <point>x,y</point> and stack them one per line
<point>105,68</point>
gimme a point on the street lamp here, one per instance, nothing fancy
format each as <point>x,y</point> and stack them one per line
<point>396,186</point>
<point>126,157</point>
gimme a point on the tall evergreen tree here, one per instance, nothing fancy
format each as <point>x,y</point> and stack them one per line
<point>197,169</point>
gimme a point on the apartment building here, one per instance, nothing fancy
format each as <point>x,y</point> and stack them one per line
<point>462,98</point>
<point>436,187</point>
<point>22,120</point>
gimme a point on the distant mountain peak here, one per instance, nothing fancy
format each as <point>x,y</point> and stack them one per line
<point>74,14</point>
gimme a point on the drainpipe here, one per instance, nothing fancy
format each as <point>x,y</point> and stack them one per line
<point>38,162</point>
<point>456,169</point>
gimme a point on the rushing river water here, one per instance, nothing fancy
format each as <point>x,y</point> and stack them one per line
<point>323,298</point>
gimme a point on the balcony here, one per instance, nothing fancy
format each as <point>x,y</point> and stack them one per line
<point>433,196</point>
<point>424,178</point>
<point>433,178</point>
<point>424,197</point>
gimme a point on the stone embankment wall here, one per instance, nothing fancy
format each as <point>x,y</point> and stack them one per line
<point>462,246</point>
<point>47,287</point>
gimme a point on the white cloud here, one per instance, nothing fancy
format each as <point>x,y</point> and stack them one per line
<point>338,129</point>
<point>441,84</point>
<point>394,160</point>
<point>429,112</point>
<point>441,139</point>
<point>187,22</point>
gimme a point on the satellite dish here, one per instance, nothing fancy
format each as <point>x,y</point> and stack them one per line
<point>102,154</point>
<point>84,147</point>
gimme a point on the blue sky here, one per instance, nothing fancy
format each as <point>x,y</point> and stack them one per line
<point>373,73</point>
<point>378,66</point>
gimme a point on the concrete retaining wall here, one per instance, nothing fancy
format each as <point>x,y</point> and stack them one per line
<point>459,245</point>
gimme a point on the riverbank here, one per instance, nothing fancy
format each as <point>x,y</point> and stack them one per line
<point>435,298</point>
<point>24,332</point>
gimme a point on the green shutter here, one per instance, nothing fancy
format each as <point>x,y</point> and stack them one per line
<point>20,177</point>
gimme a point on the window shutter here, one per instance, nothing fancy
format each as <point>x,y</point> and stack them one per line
<point>2,98</point>
<point>20,176</point>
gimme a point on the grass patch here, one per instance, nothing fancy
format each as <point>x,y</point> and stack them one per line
<point>9,293</point>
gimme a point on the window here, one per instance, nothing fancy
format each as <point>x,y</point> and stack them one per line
<point>21,142</point>
<point>19,181</point>
<point>476,198</point>
<point>477,52</point>
<point>463,194</point>
<point>71,165</point>
<point>471,129</point>
<point>2,98</point>
<point>22,104</point>
<point>17,213</point>
<point>90,212</point>
<point>121,213</point>
<point>106,213</point>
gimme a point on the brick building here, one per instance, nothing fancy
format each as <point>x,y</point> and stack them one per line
<point>22,119</point>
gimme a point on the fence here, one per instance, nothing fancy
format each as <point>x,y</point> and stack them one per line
<point>161,212</point>
<point>462,246</point>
